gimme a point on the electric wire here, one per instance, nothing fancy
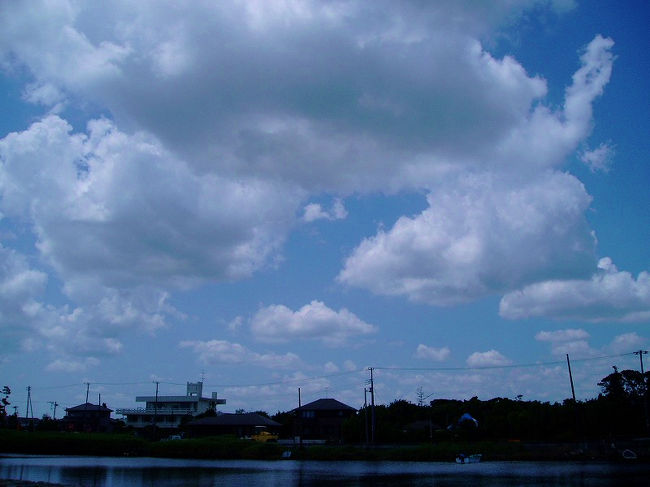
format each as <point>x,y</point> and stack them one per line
<point>341,374</point>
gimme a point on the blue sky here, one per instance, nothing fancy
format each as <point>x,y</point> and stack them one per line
<point>278,195</point>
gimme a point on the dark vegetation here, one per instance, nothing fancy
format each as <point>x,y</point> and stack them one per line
<point>503,429</point>
<point>618,412</point>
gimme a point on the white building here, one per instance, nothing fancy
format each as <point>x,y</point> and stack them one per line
<point>168,411</point>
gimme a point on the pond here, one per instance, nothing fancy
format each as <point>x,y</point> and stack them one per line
<point>159,472</point>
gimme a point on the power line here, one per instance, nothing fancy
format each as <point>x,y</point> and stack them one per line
<point>288,381</point>
<point>504,366</point>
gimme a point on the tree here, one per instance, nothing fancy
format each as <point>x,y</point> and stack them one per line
<point>622,401</point>
<point>627,385</point>
<point>4,402</point>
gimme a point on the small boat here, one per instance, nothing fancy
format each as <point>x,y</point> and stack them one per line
<point>628,454</point>
<point>475,458</point>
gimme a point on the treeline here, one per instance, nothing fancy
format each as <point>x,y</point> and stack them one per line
<point>618,411</point>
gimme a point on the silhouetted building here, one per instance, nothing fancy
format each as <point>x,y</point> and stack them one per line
<point>240,425</point>
<point>88,417</point>
<point>322,420</point>
<point>169,411</point>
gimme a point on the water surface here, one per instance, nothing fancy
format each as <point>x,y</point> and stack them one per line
<point>160,472</point>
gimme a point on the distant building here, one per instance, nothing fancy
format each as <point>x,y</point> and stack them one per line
<point>322,420</point>
<point>240,425</point>
<point>89,418</point>
<point>169,411</point>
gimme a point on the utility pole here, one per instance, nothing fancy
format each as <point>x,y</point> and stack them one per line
<point>365,411</point>
<point>86,405</point>
<point>54,404</point>
<point>641,353</point>
<point>573,394</point>
<point>299,419</point>
<point>573,391</point>
<point>372,405</point>
<point>29,411</point>
<point>155,414</point>
<point>155,406</point>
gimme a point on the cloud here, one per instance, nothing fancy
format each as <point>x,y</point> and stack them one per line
<point>121,220</point>
<point>20,289</point>
<point>610,295</point>
<point>314,211</point>
<point>277,323</point>
<point>331,368</point>
<point>70,335</point>
<point>326,96</point>
<point>235,324</point>
<point>225,120</point>
<point>626,342</point>
<point>430,353</point>
<point>61,365</point>
<point>562,335</point>
<point>599,159</point>
<point>224,352</point>
<point>575,342</point>
<point>45,94</point>
<point>487,359</point>
<point>457,250</point>
<point>349,365</point>
<point>135,213</point>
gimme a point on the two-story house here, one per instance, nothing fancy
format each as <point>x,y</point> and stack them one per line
<point>322,420</point>
<point>168,411</point>
<point>88,417</point>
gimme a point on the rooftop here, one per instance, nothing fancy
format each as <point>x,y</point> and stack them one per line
<point>229,419</point>
<point>325,405</point>
<point>90,407</point>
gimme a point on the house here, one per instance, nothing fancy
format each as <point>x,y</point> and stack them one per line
<point>169,411</point>
<point>88,417</point>
<point>240,425</point>
<point>322,420</point>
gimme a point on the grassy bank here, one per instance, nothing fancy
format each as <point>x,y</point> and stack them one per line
<point>224,447</point>
<point>130,445</point>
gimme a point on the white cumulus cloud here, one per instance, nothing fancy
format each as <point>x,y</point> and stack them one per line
<point>610,295</point>
<point>314,211</point>
<point>627,342</point>
<point>562,335</point>
<point>225,352</point>
<point>278,323</point>
<point>599,159</point>
<point>487,359</point>
<point>431,353</point>
<point>479,237</point>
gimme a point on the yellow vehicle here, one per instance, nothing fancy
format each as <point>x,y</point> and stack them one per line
<point>264,436</point>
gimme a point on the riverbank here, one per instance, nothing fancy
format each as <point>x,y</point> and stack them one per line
<point>224,447</point>
<point>26,483</point>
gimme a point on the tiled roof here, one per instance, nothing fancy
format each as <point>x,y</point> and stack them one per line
<point>89,407</point>
<point>326,405</point>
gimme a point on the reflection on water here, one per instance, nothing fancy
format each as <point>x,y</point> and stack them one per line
<point>118,472</point>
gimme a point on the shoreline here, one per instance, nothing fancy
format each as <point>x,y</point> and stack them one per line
<point>27,483</point>
<point>230,448</point>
